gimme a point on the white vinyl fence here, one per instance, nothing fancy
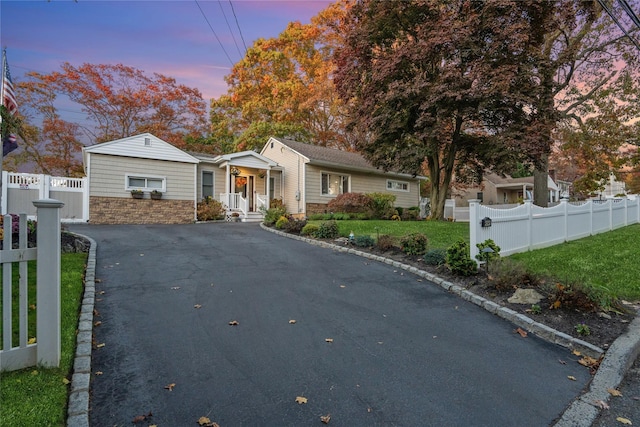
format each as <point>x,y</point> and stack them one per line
<point>17,350</point>
<point>19,190</point>
<point>528,226</point>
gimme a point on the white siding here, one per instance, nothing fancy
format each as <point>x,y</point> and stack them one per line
<point>135,146</point>
<point>108,173</point>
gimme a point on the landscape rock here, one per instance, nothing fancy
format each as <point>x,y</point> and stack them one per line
<point>525,296</point>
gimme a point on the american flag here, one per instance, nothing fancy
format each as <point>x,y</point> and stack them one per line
<point>9,95</point>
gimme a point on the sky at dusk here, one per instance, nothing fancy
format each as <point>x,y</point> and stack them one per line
<point>174,38</point>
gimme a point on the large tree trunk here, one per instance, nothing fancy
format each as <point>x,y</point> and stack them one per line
<point>438,197</point>
<point>540,183</point>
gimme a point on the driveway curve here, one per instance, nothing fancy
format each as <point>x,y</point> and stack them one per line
<point>233,323</point>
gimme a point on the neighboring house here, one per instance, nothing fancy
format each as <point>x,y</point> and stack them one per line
<point>612,188</point>
<point>498,190</point>
<point>305,177</point>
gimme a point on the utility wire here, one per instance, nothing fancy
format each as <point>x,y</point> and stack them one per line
<point>230,30</point>
<point>634,18</point>
<point>214,33</point>
<point>613,17</point>
<point>238,25</point>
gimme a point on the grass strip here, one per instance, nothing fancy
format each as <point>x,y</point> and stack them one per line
<point>37,396</point>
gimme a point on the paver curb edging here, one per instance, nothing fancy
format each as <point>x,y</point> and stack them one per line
<point>520,320</point>
<point>617,361</point>
<point>78,409</point>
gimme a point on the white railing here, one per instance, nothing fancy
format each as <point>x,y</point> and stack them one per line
<point>235,202</point>
<point>46,349</point>
<point>19,190</point>
<point>261,202</point>
<point>528,226</point>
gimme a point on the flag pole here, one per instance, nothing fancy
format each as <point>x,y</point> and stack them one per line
<point>2,88</point>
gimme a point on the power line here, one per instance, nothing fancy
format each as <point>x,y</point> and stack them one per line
<point>630,12</point>
<point>214,33</point>
<point>238,25</point>
<point>230,30</point>
<point>617,22</point>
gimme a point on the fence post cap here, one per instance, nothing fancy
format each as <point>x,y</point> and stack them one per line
<point>48,203</point>
<point>471,201</point>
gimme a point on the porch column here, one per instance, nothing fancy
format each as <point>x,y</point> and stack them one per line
<point>227,181</point>
<point>268,188</point>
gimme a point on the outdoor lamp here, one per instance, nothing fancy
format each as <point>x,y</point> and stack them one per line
<point>485,222</point>
<point>486,253</point>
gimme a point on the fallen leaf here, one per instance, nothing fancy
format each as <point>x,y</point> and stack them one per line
<point>522,332</point>
<point>589,362</point>
<point>328,339</point>
<point>625,421</point>
<point>100,345</point>
<point>342,286</point>
<point>562,361</point>
<point>97,280</point>
<point>204,421</point>
<point>234,323</point>
<point>292,322</point>
<point>101,292</point>
<point>300,400</point>
<point>576,353</point>
<point>614,392</point>
<point>175,288</point>
<point>572,378</point>
<point>170,386</point>
<point>197,306</point>
<point>99,373</point>
<point>141,418</point>
<point>325,418</point>
<point>153,425</point>
<point>31,340</point>
<point>98,323</point>
<point>368,409</point>
<point>141,254</point>
<point>601,404</point>
<point>32,306</point>
<point>65,381</point>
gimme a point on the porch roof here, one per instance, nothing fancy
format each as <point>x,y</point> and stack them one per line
<point>249,159</point>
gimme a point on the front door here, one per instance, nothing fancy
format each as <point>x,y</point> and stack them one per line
<point>243,184</point>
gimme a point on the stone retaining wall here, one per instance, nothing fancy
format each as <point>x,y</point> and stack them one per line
<point>116,210</point>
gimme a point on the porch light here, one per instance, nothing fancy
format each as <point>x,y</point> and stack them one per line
<point>235,171</point>
<point>485,222</point>
<point>486,253</point>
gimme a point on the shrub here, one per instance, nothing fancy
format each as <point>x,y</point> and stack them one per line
<point>315,217</point>
<point>351,203</point>
<point>341,216</point>
<point>382,205</point>
<point>282,222</point>
<point>573,296</point>
<point>295,225</point>
<point>459,260</point>
<point>364,241</point>
<point>328,230</point>
<point>507,275</point>
<point>488,256</point>
<point>435,257</point>
<point>414,244</point>
<point>386,242</point>
<point>363,216</point>
<point>411,214</point>
<point>209,209</point>
<point>276,203</point>
<point>271,215</point>
<point>310,230</point>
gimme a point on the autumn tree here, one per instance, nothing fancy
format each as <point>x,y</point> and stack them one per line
<point>578,89</point>
<point>122,101</point>
<point>286,82</point>
<point>430,83</point>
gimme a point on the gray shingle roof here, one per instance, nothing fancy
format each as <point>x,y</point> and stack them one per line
<point>316,153</point>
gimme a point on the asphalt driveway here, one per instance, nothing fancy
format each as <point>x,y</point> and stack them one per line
<point>371,345</point>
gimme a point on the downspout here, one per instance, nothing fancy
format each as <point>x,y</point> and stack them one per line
<point>195,192</point>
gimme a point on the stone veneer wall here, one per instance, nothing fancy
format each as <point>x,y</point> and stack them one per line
<point>317,208</point>
<point>117,210</point>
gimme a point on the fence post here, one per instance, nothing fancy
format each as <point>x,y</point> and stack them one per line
<point>528,204</point>
<point>5,185</point>
<point>85,199</point>
<point>473,227</point>
<point>48,282</point>
<point>565,211</point>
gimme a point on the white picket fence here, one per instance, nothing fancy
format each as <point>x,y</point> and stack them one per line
<point>528,226</point>
<point>19,190</point>
<point>45,351</point>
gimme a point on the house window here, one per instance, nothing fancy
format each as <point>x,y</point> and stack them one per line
<point>272,186</point>
<point>207,184</point>
<point>397,185</point>
<point>334,184</point>
<point>480,197</point>
<point>146,183</point>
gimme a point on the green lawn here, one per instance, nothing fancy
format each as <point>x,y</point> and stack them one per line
<point>35,396</point>
<point>605,263</point>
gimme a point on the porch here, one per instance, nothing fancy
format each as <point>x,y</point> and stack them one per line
<point>238,207</point>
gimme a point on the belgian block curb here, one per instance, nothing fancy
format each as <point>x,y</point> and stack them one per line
<point>615,364</point>
<point>78,409</point>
